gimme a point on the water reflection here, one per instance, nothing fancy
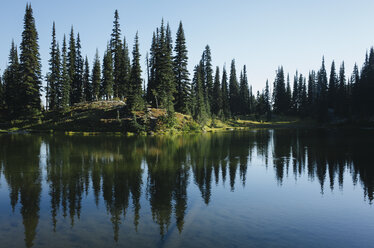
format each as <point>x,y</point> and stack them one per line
<point>121,171</point>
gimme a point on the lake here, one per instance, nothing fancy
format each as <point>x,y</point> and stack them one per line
<point>260,188</point>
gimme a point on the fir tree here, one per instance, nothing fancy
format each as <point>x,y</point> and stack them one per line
<point>225,95</point>
<point>107,79</point>
<point>53,77</point>
<point>96,78</point>
<point>77,90</point>
<point>288,95</point>
<point>217,95</point>
<point>280,97</point>
<point>342,104</point>
<point>117,51</point>
<point>71,64</point>
<point>199,112</point>
<point>182,96</point>
<point>87,86</point>
<point>244,92</point>
<point>208,75</point>
<point>295,94</point>
<point>124,71</point>
<point>321,93</point>
<point>333,86</point>
<point>11,84</point>
<point>65,79</point>
<point>234,90</point>
<point>30,66</point>
<point>135,100</point>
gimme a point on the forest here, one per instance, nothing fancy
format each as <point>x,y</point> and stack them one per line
<point>208,93</point>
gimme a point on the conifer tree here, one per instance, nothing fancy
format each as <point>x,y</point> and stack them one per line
<point>244,92</point>
<point>107,79</point>
<point>71,64</point>
<point>11,84</point>
<point>164,71</point>
<point>311,92</point>
<point>217,95</point>
<point>96,77</point>
<point>125,68</point>
<point>135,99</point>
<point>77,90</point>
<point>208,75</point>
<point>53,77</point>
<point>182,96</point>
<point>295,94</point>
<point>342,105</point>
<point>225,95</point>
<point>30,66</point>
<point>321,92</point>
<point>288,95</point>
<point>279,94</point>
<point>65,79</point>
<point>333,86</point>
<point>151,86</point>
<point>117,51</point>
<point>266,100</point>
<point>234,90</point>
<point>199,112</point>
<point>87,86</point>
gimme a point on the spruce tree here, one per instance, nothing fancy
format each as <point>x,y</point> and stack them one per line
<point>77,90</point>
<point>124,71</point>
<point>208,75</point>
<point>279,94</point>
<point>96,77</point>
<point>30,66</point>
<point>244,92</point>
<point>321,92</point>
<point>53,77</point>
<point>87,86</point>
<point>295,94</point>
<point>342,104</point>
<point>225,95</point>
<point>234,90</point>
<point>117,52</point>
<point>65,79</point>
<point>217,95</point>
<point>333,87</point>
<point>107,79</point>
<point>12,84</point>
<point>182,96</point>
<point>199,112</point>
<point>135,99</point>
<point>288,95</point>
<point>71,64</point>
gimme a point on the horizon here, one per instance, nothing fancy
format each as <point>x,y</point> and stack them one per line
<point>289,51</point>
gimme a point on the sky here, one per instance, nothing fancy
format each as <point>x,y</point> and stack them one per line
<point>260,34</point>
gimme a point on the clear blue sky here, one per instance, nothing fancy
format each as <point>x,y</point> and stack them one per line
<point>261,34</point>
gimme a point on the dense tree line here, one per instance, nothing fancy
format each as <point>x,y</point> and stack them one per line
<point>206,95</point>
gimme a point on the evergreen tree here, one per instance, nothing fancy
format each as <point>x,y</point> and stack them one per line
<point>96,78</point>
<point>244,92</point>
<point>11,84</point>
<point>30,66</point>
<point>333,87</point>
<point>53,77</point>
<point>135,99</point>
<point>182,96</point>
<point>342,104</point>
<point>87,86</point>
<point>151,86</point>
<point>217,107</point>
<point>124,71</point>
<point>208,76</point>
<point>266,99</point>
<point>234,90</point>
<point>164,71</point>
<point>117,51</point>
<point>107,79</point>
<point>321,92</point>
<point>77,90</point>
<point>311,91</point>
<point>199,112</point>
<point>71,64</point>
<point>279,94</point>
<point>65,79</point>
<point>295,94</point>
<point>225,95</point>
<point>302,96</point>
<point>288,95</point>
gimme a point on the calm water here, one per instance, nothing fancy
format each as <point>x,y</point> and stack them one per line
<point>264,188</point>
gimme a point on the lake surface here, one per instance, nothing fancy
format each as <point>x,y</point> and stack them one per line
<point>262,188</point>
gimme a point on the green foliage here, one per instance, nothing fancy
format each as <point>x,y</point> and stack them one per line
<point>53,93</point>
<point>183,88</point>
<point>30,66</point>
<point>135,98</point>
<point>96,77</point>
<point>107,79</point>
<point>217,104</point>
<point>65,79</point>
<point>234,90</point>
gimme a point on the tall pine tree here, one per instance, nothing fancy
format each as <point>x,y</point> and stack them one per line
<point>65,79</point>
<point>30,66</point>
<point>53,77</point>
<point>135,99</point>
<point>96,77</point>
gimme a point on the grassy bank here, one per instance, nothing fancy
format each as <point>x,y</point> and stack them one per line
<point>113,117</point>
